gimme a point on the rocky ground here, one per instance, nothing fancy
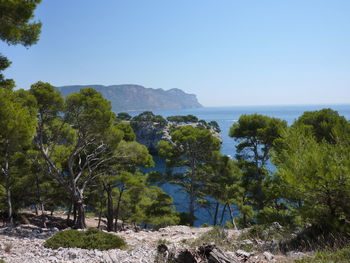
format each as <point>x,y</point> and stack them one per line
<point>24,243</point>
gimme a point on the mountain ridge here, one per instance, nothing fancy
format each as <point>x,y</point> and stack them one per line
<point>133,97</point>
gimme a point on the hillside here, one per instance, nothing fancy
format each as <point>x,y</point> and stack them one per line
<point>138,98</point>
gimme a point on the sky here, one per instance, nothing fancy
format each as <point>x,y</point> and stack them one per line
<point>227,52</point>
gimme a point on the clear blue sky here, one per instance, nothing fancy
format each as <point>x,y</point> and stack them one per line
<point>228,52</point>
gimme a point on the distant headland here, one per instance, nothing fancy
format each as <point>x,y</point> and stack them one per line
<point>130,97</point>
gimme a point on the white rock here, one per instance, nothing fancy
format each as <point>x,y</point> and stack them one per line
<point>243,253</point>
<point>268,255</point>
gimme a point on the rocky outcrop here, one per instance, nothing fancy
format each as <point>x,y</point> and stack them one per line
<point>150,133</point>
<point>138,98</point>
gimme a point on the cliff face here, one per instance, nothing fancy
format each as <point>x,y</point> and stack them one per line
<point>139,98</point>
<point>150,133</point>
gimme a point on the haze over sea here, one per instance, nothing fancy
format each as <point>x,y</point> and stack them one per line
<point>226,117</point>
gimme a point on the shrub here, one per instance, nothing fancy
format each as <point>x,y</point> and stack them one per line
<point>92,238</point>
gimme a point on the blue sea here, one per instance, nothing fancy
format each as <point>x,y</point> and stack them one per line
<point>226,117</point>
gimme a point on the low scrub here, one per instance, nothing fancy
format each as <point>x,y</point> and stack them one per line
<point>319,237</point>
<point>216,235</point>
<point>92,238</point>
<point>340,256</point>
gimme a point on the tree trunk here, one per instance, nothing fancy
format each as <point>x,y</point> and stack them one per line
<point>232,216</point>
<point>38,195</point>
<point>192,194</point>
<point>216,213</point>
<point>223,214</point>
<point>99,218</point>
<point>9,204</point>
<point>191,208</point>
<point>80,219</point>
<point>110,209</point>
<point>101,208</point>
<point>43,215</point>
<point>260,194</point>
<point>36,209</point>
<point>69,212</point>
<point>117,210</point>
<point>74,213</point>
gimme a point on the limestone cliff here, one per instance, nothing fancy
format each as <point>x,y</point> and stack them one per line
<point>138,98</point>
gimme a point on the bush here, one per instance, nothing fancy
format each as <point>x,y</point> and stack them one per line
<point>92,238</point>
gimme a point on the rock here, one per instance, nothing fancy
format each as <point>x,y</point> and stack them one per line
<point>150,133</point>
<point>52,259</point>
<point>242,253</point>
<point>215,255</point>
<point>162,248</point>
<point>185,257</point>
<point>268,255</point>
<point>54,230</point>
<point>72,255</point>
<point>276,225</point>
<point>107,259</point>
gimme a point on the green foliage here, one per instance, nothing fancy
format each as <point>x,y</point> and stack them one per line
<point>256,135</point>
<point>128,132</point>
<point>315,175</point>
<point>17,128</point>
<point>148,116</point>
<point>124,116</point>
<point>158,208</point>
<point>89,112</point>
<point>17,123</point>
<point>89,239</point>
<point>188,158</point>
<point>184,119</point>
<point>5,83</point>
<point>323,124</point>
<point>50,101</point>
<point>224,183</point>
<point>77,139</point>
<point>15,25</point>
<point>284,215</point>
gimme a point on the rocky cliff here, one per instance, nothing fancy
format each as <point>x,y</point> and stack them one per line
<point>138,98</point>
<point>150,133</point>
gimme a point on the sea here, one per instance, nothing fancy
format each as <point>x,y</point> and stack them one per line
<point>226,117</point>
